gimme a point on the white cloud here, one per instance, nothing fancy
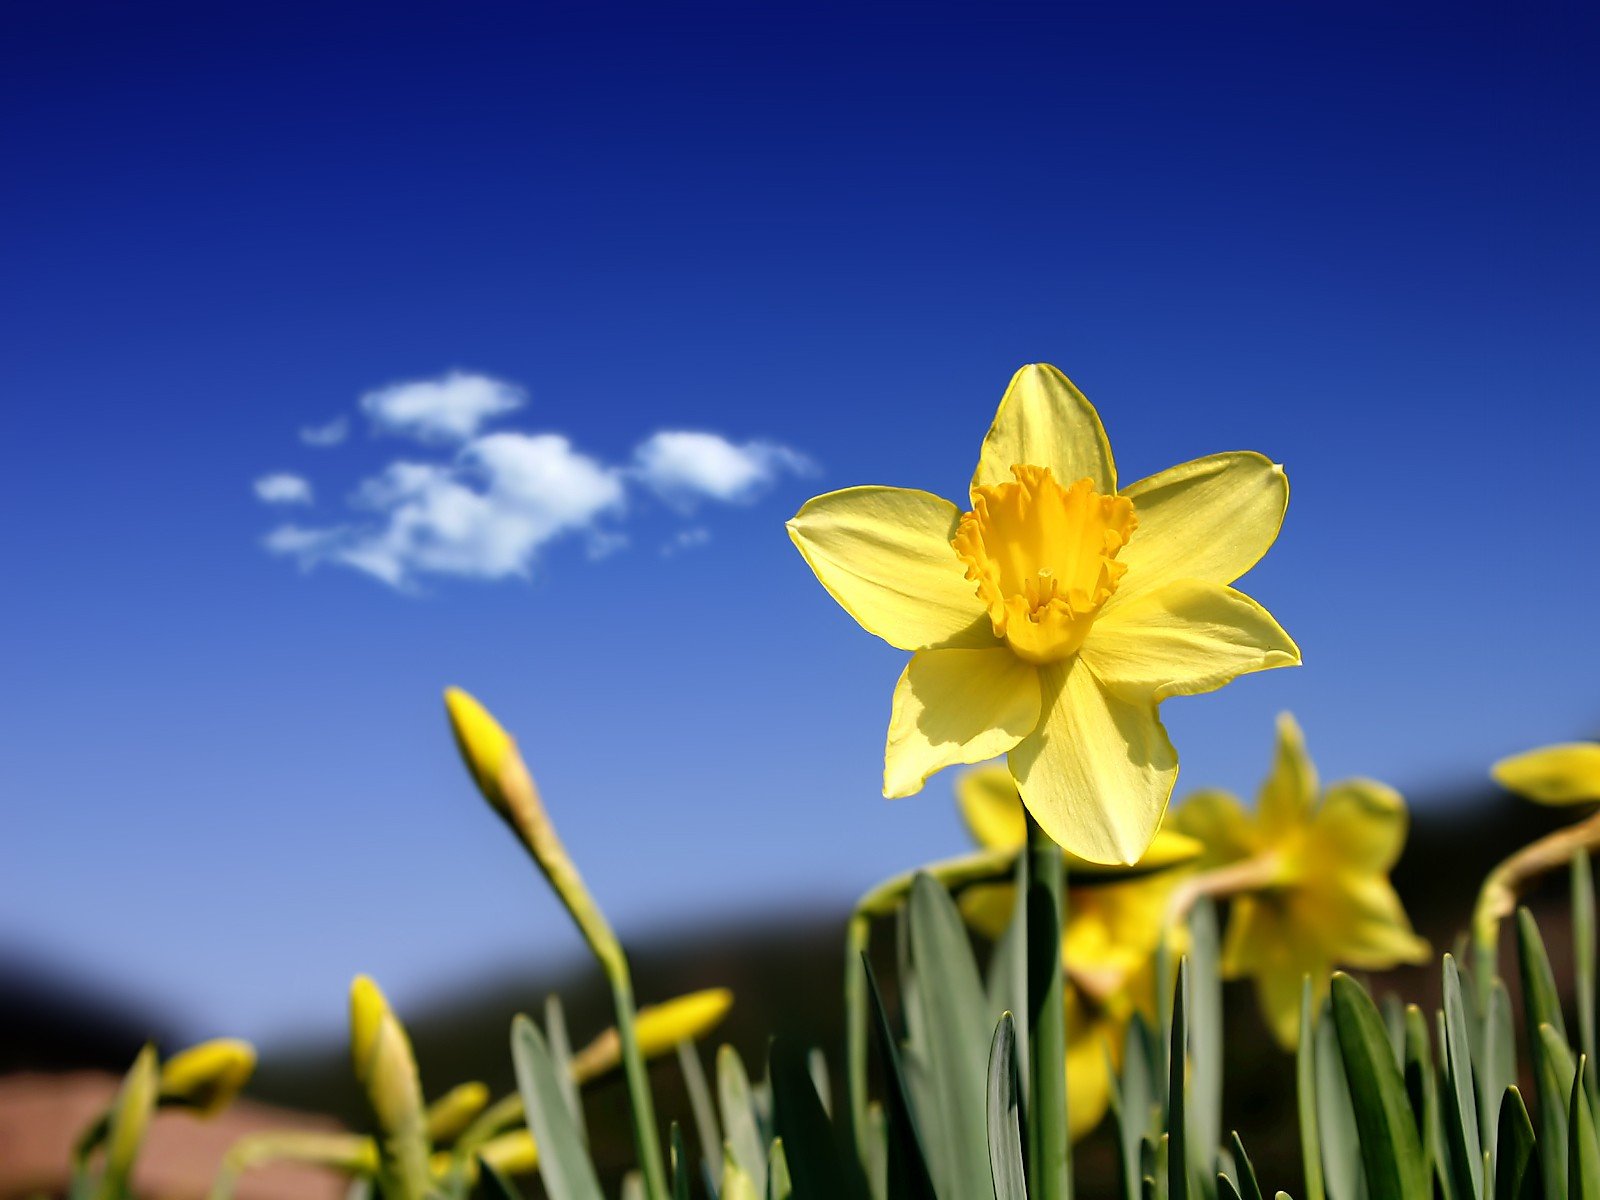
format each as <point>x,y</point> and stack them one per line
<point>686,539</point>
<point>322,436</point>
<point>485,515</point>
<point>683,467</point>
<point>451,408</point>
<point>282,488</point>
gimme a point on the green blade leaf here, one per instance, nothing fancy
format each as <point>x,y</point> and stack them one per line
<point>1541,1006</point>
<point>1177,1078</point>
<point>1390,1148</point>
<point>1498,1068</point>
<point>555,1032</point>
<point>1583,953</point>
<point>1249,1186</point>
<point>1005,1123</point>
<point>705,1114</point>
<point>563,1162</point>
<point>678,1164</point>
<point>1461,1105</point>
<point>1583,1150</point>
<point>494,1185</point>
<point>1305,1088</point>
<point>819,1166</point>
<point>1205,1043</point>
<point>746,1144</point>
<point>1336,1118</point>
<point>906,1172</point>
<point>956,1014</point>
<point>1422,1088</point>
<point>780,1186</point>
<point>1516,1166</point>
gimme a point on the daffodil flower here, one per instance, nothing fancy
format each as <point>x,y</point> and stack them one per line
<point>207,1077</point>
<point>1559,776</point>
<point>1050,619</point>
<point>1107,948</point>
<point>1308,874</point>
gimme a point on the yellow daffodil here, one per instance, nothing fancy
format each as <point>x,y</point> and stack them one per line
<point>660,1028</point>
<point>1309,876</point>
<point>1565,774</point>
<point>1559,775</point>
<point>1107,948</point>
<point>454,1111</point>
<point>380,1052</point>
<point>1049,620</point>
<point>207,1077</point>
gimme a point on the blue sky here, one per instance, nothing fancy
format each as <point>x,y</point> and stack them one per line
<point>1362,242</point>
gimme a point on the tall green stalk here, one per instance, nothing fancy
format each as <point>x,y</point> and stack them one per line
<point>1048,1145</point>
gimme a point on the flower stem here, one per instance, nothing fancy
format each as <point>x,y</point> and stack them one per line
<point>525,812</point>
<point>1247,875</point>
<point>857,936</point>
<point>1048,1147</point>
<point>1497,898</point>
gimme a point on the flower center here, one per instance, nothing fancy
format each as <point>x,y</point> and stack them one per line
<point>1044,558</point>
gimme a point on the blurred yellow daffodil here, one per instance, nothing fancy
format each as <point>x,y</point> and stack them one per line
<point>1049,620</point>
<point>207,1077</point>
<point>661,1027</point>
<point>1308,874</point>
<point>1560,775</point>
<point>1108,946</point>
<point>1564,774</point>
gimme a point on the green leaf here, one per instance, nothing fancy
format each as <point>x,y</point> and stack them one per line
<point>705,1113</point>
<point>1226,1189</point>
<point>1044,1022</point>
<point>745,1141</point>
<point>1540,1006</point>
<point>876,1152</point>
<point>780,1186</point>
<point>1205,1044</point>
<point>906,1174</point>
<point>959,1025</point>
<point>1336,1118</point>
<point>555,1032</point>
<point>1177,1077</point>
<point>679,1164</point>
<point>1390,1148</point>
<point>819,1167</point>
<point>1249,1186</point>
<point>1498,1067</point>
<point>1583,1150</point>
<point>563,1163</point>
<point>1583,952</point>
<point>1461,1104</point>
<point>1422,1089</point>
<point>1007,981</point>
<point>1305,1088</point>
<point>1516,1166</point>
<point>1005,1124</point>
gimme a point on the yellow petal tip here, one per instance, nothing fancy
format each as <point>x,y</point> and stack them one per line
<point>483,742</point>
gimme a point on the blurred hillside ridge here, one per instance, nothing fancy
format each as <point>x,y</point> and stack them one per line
<point>787,973</point>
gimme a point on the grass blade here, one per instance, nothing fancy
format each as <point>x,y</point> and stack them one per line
<point>906,1174</point>
<point>563,1162</point>
<point>1461,1103</point>
<point>1005,1125</point>
<point>818,1165</point>
<point>1305,1088</point>
<point>1390,1148</point>
<point>1516,1166</point>
<point>746,1144</point>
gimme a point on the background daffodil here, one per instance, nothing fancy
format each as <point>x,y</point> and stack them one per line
<point>1049,620</point>
<point>1309,877</point>
<point>1107,949</point>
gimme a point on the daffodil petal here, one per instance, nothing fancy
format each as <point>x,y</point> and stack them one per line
<point>956,706</point>
<point>988,907</point>
<point>1263,944</point>
<point>1098,771</point>
<point>1363,823</point>
<point>1359,921</point>
<point>991,808</point>
<point>1185,638</point>
<point>1209,519</point>
<point>1291,789</point>
<point>1089,1036</point>
<point>884,554</point>
<point>1044,421</point>
<point>1218,822</point>
<point>1563,774</point>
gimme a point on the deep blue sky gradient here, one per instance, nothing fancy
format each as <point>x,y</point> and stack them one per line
<point>1360,241</point>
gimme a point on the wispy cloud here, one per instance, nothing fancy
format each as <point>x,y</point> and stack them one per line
<point>683,467</point>
<point>491,504</point>
<point>322,436</point>
<point>451,408</point>
<point>282,488</point>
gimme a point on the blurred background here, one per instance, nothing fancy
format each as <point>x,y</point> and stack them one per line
<point>356,350</point>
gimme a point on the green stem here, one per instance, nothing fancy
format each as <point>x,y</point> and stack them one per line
<point>647,1141</point>
<point>857,937</point>
<point>1048,1144</point>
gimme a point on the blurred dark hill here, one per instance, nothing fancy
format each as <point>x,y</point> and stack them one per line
<point>786,972</point>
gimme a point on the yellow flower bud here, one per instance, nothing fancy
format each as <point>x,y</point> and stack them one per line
<point>1562,774</point>
<point>129,1119</point>
<point>511,1153</point>
<point>659,1027</point>
<point>380,1053</point>
<point>485,746</point>
<point>452,1112</point>
<point>207,1077</point>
